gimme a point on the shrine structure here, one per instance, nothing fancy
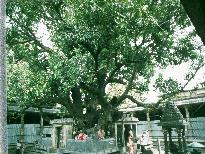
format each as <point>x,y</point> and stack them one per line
<point>172,120</point>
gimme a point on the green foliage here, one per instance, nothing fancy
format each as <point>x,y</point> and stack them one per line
<point>167,87</point>
<point>95,43</point>
<point>24,86</point>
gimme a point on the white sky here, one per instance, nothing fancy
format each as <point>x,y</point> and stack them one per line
<point>43,34</point>
<point>178,72</point>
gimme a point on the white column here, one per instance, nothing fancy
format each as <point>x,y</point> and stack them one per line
<point>41,124</point>
<point>187,113</point>
<point>54,137</point>
<point>116,133</point>
<point>22,128</point>
<point>188,126</point>
<point>123,140</point>
<point>136,133</point>
<point>148,119</point>
<point>64,133</point>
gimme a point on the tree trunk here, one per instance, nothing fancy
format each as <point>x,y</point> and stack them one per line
<point>3,104</point>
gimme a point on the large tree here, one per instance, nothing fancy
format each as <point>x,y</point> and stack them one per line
<point>95,43</point>
<point>3,104</point>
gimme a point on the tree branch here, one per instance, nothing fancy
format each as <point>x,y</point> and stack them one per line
<point>111,76</point>
<point>21,42</point>
<point>164,97</point>
<point>114,80</point>
<point>89,88</point>
<point>129,86</point>
<point>35,39</point>
<point>130,98</point>
<point>30,35</point>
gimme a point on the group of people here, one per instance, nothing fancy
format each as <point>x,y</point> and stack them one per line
<point>81,136</point>
<point>100,134</point>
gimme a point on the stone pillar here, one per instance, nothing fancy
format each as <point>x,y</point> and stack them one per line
<point>166,146</point>
<point>136,133</point>
<point>179,140</point>
<point>116,133</point>
<point>159,145</point>
<point>65,135</point>
<point>170,136</point>
<point>123,140</point>
<point>54,137</point>
<point>148,119</point>
<point>184,140</point>
<point>22,132</point>
<point>41,122</point>
<point>187,113</point>
<point>22,127</point>
<point>188,126</point>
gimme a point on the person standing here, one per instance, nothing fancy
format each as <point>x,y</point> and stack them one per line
<point>130,142</point>
<point>143,141</point>
<point>101,133</point>
<point>18,147</point>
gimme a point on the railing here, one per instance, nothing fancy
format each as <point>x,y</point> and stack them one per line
<point>91,146</point>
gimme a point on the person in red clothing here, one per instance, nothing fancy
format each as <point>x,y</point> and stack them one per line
<point>130,142</point>
<point>81,136</point>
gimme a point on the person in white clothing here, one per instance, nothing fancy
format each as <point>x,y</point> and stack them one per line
<point>144,141</point>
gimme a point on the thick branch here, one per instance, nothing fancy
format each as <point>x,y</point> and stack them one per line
<point>30,35</point>
<point>88,88</point>
<point>129,86</point>
<point>35,39</point>
<point>114,80</point>
<point>111,76</point>
<point>130,98</point>
<point>21,42</point>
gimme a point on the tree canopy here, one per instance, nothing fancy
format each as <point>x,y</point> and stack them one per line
<point>95,43</point>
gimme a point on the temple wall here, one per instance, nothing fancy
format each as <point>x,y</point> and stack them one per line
<point>31,132</point>
<point>196,129</point>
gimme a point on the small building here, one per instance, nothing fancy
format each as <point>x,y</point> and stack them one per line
<point>128,121</point>
<point>62,130</point>
<point>124,124</point>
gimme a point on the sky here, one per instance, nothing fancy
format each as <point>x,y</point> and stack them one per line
<point>175,72</point>
<point>178,72</point>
